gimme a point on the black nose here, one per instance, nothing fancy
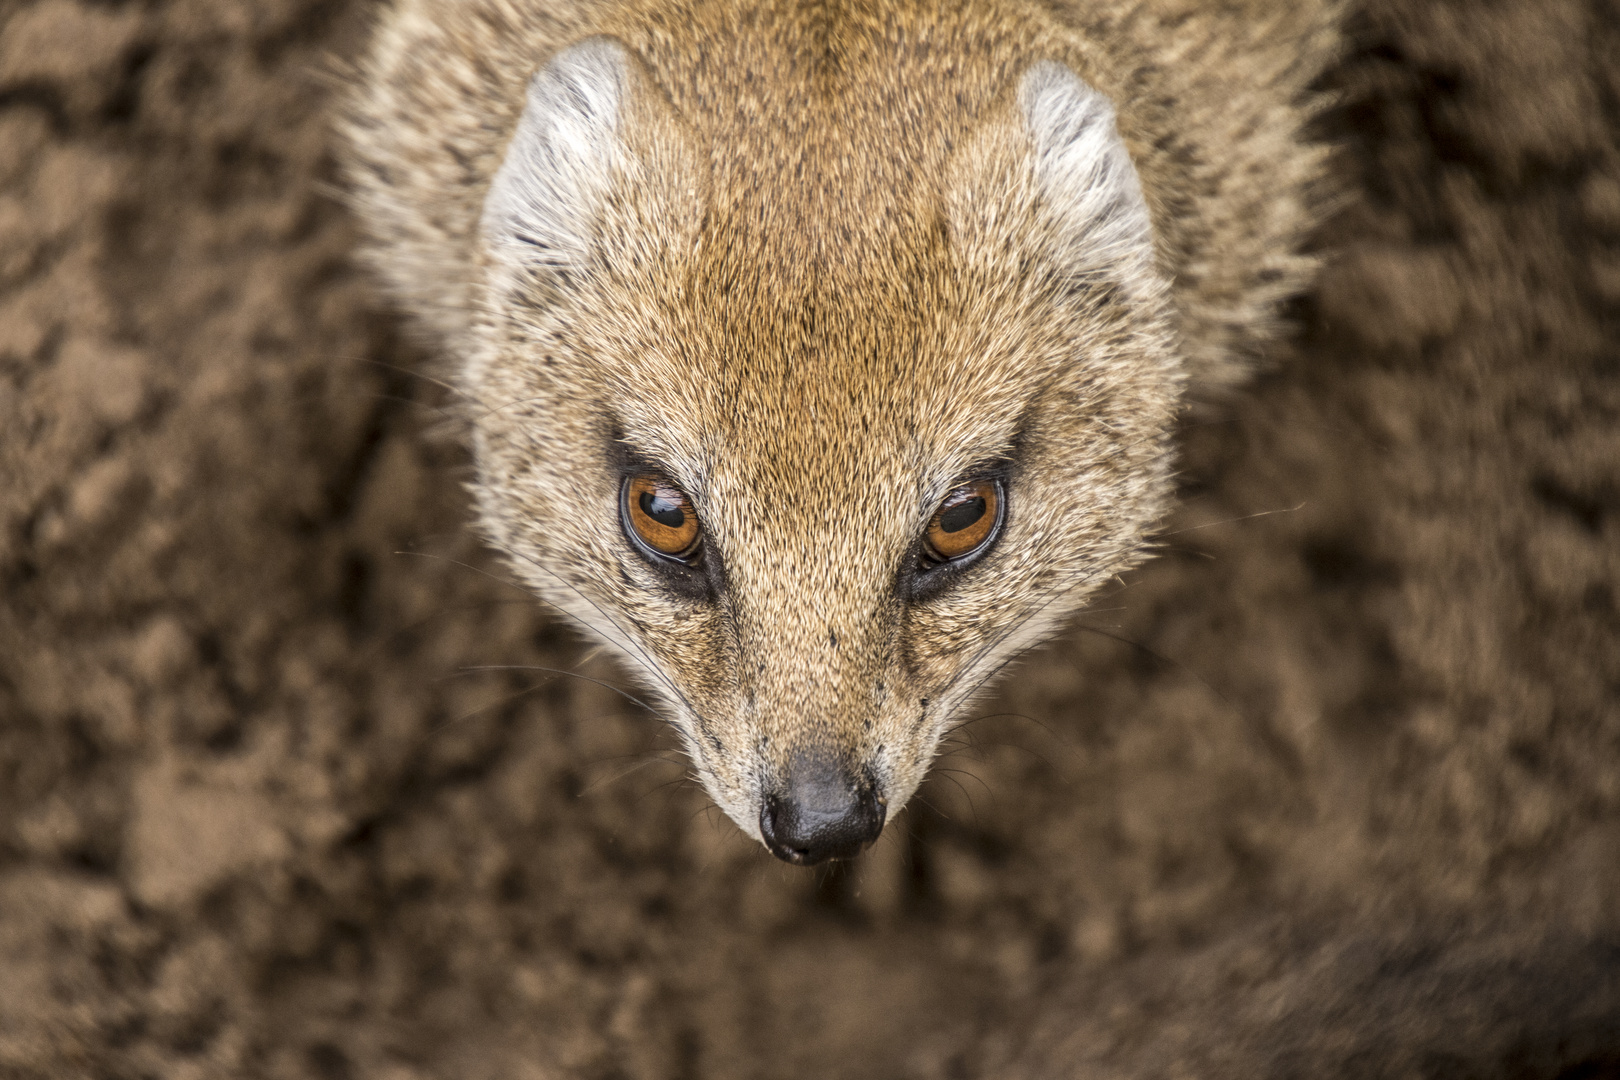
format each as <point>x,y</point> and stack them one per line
<point>820,813</point>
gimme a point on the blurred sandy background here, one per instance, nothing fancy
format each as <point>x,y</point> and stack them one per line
<point>1331,789</point>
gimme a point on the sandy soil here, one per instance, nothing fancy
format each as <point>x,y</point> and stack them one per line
<point>1331,789</point>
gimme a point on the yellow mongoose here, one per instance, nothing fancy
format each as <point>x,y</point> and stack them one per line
<point>823,354</point>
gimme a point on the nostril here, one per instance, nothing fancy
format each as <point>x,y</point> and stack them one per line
<point>820,814</point>
<point>769,813</point>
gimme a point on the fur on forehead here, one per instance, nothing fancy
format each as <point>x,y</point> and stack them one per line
<point>599,201</point>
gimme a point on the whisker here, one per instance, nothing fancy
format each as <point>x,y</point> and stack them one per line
<point>1009,716</point>
<point>980,756</point>
<point>917,796</point>
<point>454,390</point>
<point>392,637</point>
<point>649,752</point>
<point>478,570</point>
<point>666,784</point>
<point>1001,639</point>
<point>1182,549</point>
<point>637,767</point>
<point>507,700</point>
<point>574,674</point>
<point>634,651</point>
<point>973,809</point>
<point>674,788</point>
<point>996,670</point>
<point>988,790</point>
<point>402,400</point>
<point>950,747</point>
<point>1160,657</point>
<point>713,853</point>
<point>1231,521</point>
<point>638,652</point>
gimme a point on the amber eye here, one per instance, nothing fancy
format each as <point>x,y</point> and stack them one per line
<point>659,516</point>
<point>965,522</point>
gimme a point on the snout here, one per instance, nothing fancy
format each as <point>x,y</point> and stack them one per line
<point>821,811</point>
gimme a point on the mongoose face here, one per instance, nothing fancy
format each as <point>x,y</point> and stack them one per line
<point>823,356</point>
<point>817,495</point>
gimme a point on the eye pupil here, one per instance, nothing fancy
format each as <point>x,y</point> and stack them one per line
<point>660,519</point>
<point>965,513</point>
<point>666,512</point>
<point>964,524</point>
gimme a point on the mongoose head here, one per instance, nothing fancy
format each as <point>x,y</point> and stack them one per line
<point>819,430</point>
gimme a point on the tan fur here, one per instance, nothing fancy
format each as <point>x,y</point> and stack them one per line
<point>825,283</point>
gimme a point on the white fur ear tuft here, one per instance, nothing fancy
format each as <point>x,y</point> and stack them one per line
<point>544,196</point>
<point>1086,177</point>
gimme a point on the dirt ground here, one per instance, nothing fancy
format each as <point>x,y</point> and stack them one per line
<point>1332,788</point>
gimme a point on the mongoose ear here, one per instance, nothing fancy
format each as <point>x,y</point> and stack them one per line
<point>1087,182</point>
<point>543,199</point>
